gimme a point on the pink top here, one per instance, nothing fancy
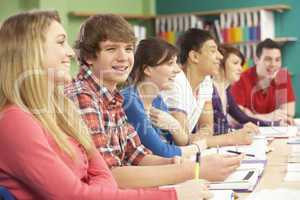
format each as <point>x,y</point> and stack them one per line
<point>33,167</point>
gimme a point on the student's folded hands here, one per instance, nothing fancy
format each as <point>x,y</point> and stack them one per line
<point>163,120</point>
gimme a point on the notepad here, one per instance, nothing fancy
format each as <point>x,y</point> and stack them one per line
<point>241,179</point>
<point>222,194</point>
<point>279,131</point>
<point>258,148</point>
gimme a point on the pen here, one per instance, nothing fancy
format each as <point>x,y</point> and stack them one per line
<point>237,152</point>
<point>235,196</point>
<point>197,168</point>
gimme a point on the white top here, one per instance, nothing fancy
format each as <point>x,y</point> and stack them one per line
<point>181,97</point>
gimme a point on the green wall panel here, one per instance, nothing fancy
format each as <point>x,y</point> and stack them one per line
<point>8,7</point>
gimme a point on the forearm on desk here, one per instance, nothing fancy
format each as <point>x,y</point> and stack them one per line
<point>151,159</point>
<point>220,140</point>
<point>151,176</point>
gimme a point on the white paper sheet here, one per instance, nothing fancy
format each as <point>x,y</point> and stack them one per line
<point>277,194</point>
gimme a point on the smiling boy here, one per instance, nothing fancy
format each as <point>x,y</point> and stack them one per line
<point>265,91</point>
<point>105,49</point>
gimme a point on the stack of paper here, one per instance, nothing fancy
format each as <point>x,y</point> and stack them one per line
<point>241,179</point>
<point>295,149</point>
<point>294,140</point>
<point>294,158</point>
<point>293,167</point>
<point>277,194</point>
<point>292,176</point>
<point>279,131</point>
<point>293,172</point>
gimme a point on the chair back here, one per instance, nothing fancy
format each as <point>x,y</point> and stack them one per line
<point>5,194</point>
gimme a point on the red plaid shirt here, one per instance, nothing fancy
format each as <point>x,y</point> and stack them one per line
<point>102,111</point>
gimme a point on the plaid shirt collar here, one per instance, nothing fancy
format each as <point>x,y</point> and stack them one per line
<point>111,98</point>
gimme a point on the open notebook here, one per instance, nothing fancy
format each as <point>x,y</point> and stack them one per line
<point>259,166</point>
<point>241,179</point>
<point>256,152</point>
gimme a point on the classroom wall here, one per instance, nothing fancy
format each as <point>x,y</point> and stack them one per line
<point>8,7</point>
<point>107,6</point>
<point>71,23</point>
<point>286,25</point>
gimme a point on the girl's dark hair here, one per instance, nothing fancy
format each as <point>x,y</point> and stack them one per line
<point>226,50</point>
<point>150,52</point>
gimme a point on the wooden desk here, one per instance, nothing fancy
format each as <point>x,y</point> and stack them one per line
<point>275,170</point>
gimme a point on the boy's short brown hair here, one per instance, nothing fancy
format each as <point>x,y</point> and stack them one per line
<point>100,28</point>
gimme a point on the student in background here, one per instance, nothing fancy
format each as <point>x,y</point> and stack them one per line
<point>190,100</point>
<point>265,91</point>
<point>45,148</point>
<point>154,70</point>
<point>223,103</point>
<point>105,49</point>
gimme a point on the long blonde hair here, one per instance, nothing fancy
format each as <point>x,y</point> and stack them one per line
<point>25,83</point>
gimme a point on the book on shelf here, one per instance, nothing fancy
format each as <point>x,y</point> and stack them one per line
<point>170,28</point>
<point>266,24</point>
